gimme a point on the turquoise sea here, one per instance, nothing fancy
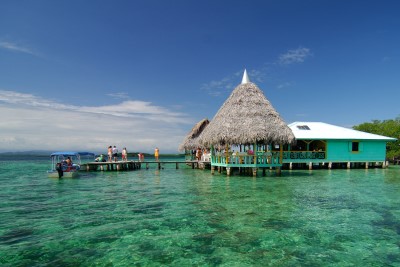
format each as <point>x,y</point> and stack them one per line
<point>188,217</point>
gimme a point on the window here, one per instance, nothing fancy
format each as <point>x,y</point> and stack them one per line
<point>355,146</point>
<point>303,127</point>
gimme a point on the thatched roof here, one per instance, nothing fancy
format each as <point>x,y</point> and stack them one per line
<point>191,141</point>
<point>247,117</point>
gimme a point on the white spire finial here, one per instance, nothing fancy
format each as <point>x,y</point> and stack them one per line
<point>245,78</point>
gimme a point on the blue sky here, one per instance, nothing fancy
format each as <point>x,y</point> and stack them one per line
<point>88,74</point>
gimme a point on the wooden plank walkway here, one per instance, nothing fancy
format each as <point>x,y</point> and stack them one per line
<point>135,165</point>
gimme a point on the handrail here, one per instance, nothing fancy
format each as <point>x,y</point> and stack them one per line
<point>265,158</point>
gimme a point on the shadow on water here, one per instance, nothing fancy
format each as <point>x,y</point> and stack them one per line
<point>16,235</point>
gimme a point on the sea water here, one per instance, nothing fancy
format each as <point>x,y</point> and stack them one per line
<point>188,217</point>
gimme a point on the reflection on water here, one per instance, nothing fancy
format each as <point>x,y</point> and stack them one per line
<point>188,217</point>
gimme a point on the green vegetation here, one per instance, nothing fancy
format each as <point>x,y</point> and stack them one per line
<point>390,128</point>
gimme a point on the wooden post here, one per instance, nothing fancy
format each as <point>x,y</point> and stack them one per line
<point>177,165</point>
<point>330,165</point>
<point>212,170</point>
<point>228,171</point>
<point>278,171</point>
<point>254,172</point>
<point>348,165</point>
<point>366,165</point>
<point>226,154</point>
<point>310,166</point>
<point>291,166</point>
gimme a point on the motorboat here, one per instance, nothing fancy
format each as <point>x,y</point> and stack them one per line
<point>66,164</point>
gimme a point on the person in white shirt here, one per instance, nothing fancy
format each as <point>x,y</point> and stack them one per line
<point>115,153</point>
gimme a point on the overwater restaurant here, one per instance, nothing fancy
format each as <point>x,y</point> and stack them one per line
<point>319,144</point>
<point>247,133</point>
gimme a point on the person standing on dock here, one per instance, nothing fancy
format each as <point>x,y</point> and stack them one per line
<point>115,153</point>
<point>198,153</point>
<point>109,153</point>
<point>156,153</point>
<point>124,154</point>
<point>141,157</point>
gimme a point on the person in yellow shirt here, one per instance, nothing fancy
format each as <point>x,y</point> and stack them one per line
<point>156,153</point>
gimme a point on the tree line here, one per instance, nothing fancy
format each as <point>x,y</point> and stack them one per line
<point>389,128</point>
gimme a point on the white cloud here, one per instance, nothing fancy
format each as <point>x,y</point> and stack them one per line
<point>16,48</point>
<point>298,55</point>
<point>120,95</point>
<point>37,123</point>
<point>227,84</point>
<point>284,85</point>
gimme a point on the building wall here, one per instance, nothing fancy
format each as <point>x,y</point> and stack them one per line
<point>341,151</point>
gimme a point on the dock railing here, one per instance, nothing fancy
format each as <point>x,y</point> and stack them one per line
<point>265,159</point>
<point>259,159</point>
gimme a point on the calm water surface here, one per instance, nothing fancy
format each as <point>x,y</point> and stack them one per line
<point>188,217</point>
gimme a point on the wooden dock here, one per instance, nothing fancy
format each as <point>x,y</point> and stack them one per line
<point>136,165</point>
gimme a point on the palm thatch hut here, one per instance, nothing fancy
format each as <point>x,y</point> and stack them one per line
<point>191,141</point>
<point>247,120</point>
